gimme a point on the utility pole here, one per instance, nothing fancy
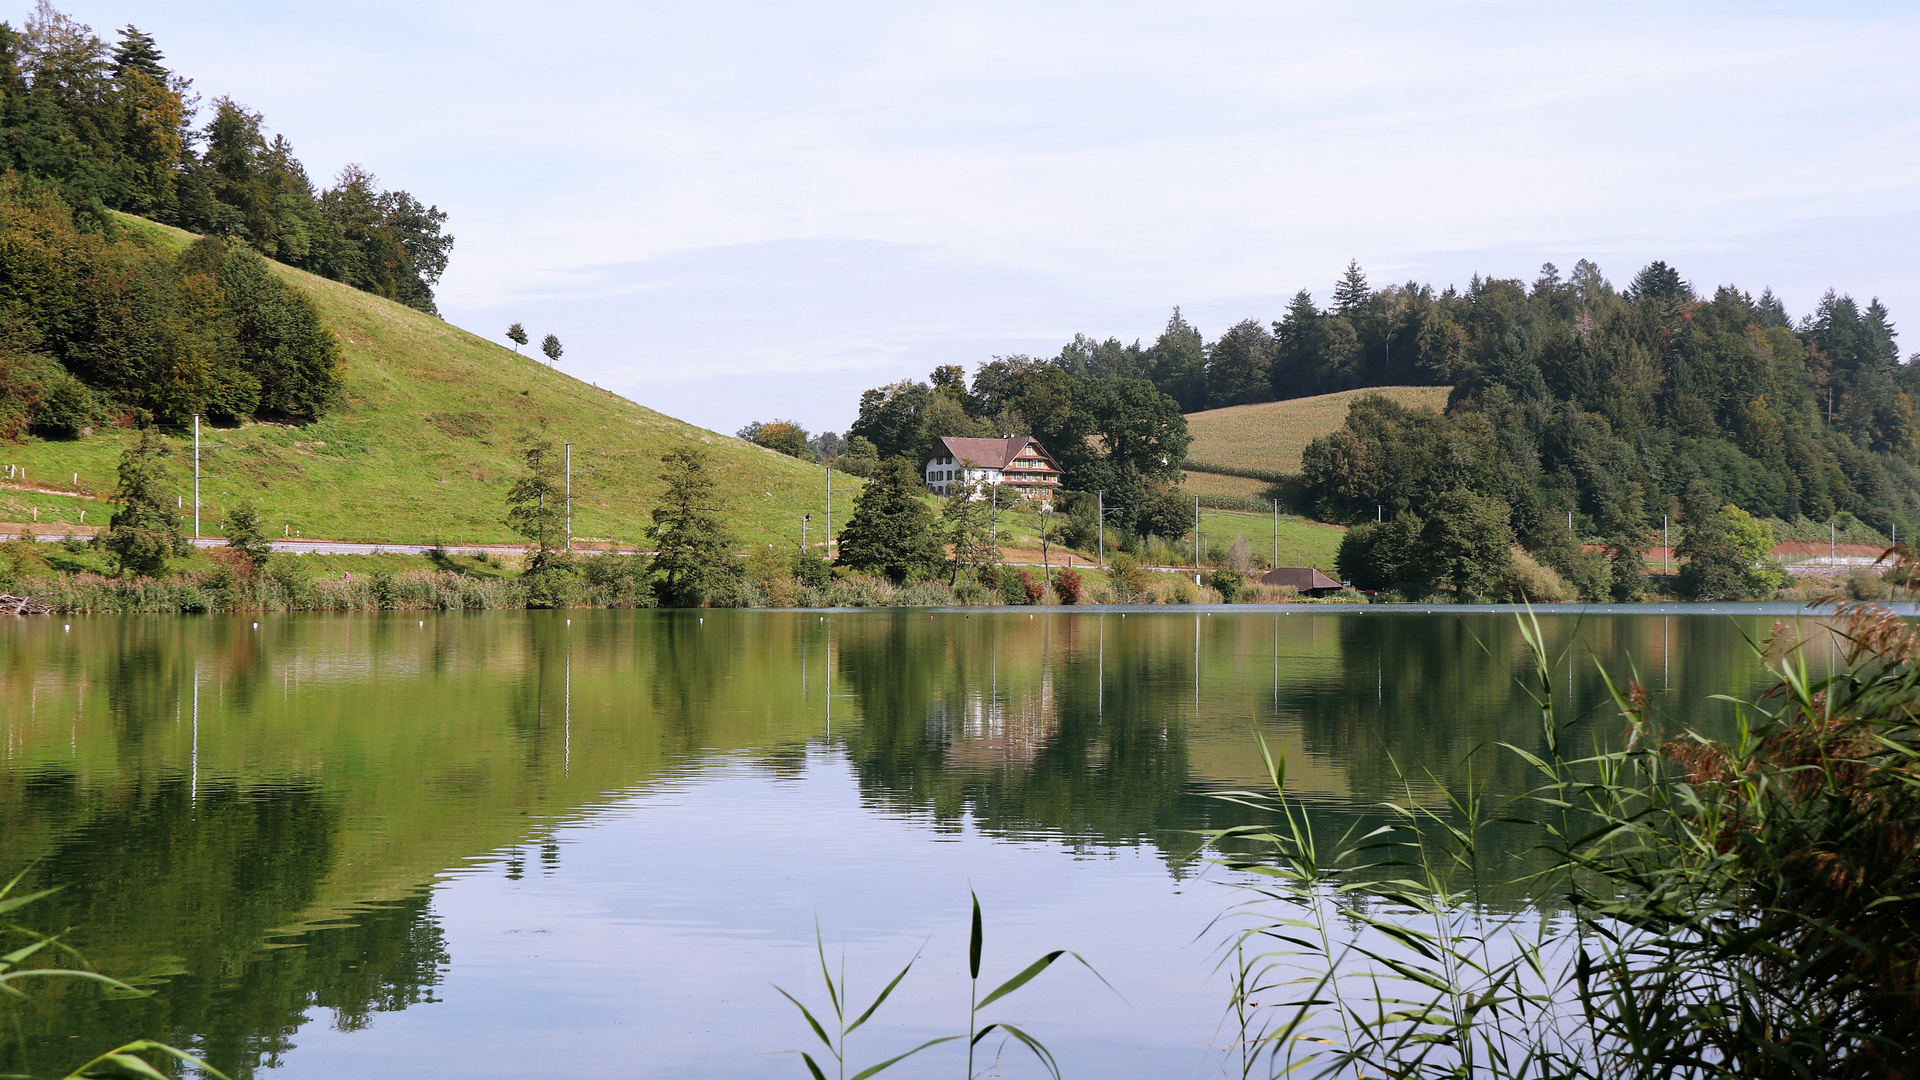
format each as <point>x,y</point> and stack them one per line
<point>569,497</point>
<point>993,517</point>
<point>1046,565</point>
<point>1276,535</point>
<point>829,543</point>
<point>804,519</point>
<point>1666,546</point>
<point>196,476</point>
<point>1100,526</point>
<point>1196,539</point>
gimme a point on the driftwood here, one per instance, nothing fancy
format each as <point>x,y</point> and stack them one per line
<point>22,605</point>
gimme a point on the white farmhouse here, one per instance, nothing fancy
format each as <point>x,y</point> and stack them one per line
<point>1015,462</point>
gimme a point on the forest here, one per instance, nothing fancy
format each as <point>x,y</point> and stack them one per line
<point>113,128</point>
<point>1581,416</point>
<point>97,327</point>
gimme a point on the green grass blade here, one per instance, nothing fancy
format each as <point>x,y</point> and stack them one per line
<point>124,1059</point>
<point>12,902</point>
<point>1021,979</point>
<point>978,940</point>
<point>804,1011</point>
<point>1039,1049</point>
<point>883,996</point>
<point>892,1061</point>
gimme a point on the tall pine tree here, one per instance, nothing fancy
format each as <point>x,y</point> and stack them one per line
<point>892,530</point>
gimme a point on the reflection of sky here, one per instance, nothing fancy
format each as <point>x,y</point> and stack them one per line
<point>650,950</point>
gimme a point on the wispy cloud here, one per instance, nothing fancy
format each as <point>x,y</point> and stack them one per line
<point>1104,158</point>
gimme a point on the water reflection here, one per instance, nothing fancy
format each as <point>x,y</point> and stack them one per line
<point>208,791</point>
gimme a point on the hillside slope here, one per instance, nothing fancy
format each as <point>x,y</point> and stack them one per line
<point>1270,436</point>
<point>426,444</point>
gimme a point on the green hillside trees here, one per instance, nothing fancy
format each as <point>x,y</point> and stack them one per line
<point>141,331</point>
<point>113,128</point>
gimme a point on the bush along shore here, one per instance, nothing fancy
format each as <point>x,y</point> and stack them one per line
<point>334,583</point>
<point>896,550</point>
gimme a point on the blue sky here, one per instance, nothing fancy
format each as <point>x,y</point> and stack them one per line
<point>734,211</point>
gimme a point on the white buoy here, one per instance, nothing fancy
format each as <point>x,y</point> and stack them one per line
<point>256,626</point>
<point>66,626</point>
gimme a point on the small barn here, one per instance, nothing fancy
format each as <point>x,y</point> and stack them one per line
<point>1303,579</point>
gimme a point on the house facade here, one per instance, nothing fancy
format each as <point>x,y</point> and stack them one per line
<point>1016,463</point>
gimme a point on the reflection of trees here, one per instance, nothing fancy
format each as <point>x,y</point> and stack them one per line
<point>1007,722</point>
<point>687,664</point>
<point>538,701</point>
<point>157,873</point>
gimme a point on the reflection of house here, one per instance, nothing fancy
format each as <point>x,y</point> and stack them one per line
<point>1303,579</point>
<point>1007,727</point>
<point>1015,462</point>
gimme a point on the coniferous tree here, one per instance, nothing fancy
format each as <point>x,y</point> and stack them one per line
<point>550,345</point>
<point>695,564</point>
<point>1350,293</point>
<point>1178,364</point>
<point>518,335</point>
<point>537,510</point>
<point>891,531</point>
<point>144,531</point>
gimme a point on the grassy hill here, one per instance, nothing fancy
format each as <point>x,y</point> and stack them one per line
<point>426,444</point>
<point>1270,437</point>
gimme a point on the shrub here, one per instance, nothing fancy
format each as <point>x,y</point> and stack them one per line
<point>1012,589</point>
<point>1228,583</point>
<point>811,571</point>
<point>1128,578</point>
<point>1034,590</point>
<point>1533,583</point>
<point>1068,585</point>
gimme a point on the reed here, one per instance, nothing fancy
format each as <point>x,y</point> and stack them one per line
<point>26,945</point>
<point>1700,908</point>
<point>839,1006</point>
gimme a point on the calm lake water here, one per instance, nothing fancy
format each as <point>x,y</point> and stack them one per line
<point>529,844</point>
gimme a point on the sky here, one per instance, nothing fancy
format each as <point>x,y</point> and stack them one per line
<point>734,211</point>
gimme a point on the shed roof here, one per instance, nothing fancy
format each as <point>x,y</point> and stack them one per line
<point>1299,577</point>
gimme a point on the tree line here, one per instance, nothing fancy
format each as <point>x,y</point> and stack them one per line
<point>1111,430</point>
<point>98,326</point>
<point>114,129</point>
<point>1582,417</point>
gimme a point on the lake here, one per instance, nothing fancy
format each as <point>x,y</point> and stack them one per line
<point>530,844</point>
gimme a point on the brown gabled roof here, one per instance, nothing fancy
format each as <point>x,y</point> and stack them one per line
<point>988,453</point>
<point>1300,577</point>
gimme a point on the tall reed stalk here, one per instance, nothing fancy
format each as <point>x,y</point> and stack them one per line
<point>834,1039</point>
<point>1700,908</point>
<point>15,969</point>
